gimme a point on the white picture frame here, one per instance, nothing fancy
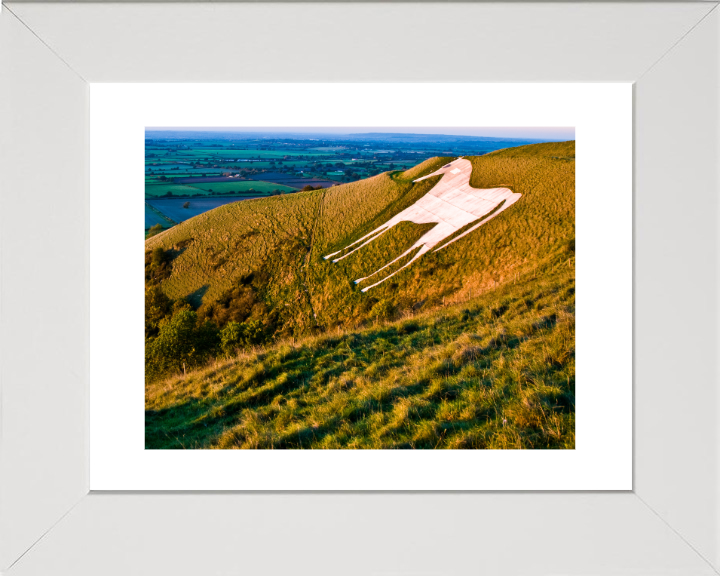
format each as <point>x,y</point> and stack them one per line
<point>600,113</point>
<point>50,523</point>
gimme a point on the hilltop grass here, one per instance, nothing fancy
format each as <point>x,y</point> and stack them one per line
<point>497,371</point>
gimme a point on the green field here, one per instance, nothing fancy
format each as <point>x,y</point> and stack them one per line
<point>152,218</point>
<point>243,186</point>
<point>155,190</point>
<point>488,363</point>
<point>198,173</point>
<point>232,154</point>
<point>227,166</point>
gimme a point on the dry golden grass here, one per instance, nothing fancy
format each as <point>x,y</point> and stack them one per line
<point>495,372</point>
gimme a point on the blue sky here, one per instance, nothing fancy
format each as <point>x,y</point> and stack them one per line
<point>541,133</point>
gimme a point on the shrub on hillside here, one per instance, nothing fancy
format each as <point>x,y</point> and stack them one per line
<point>182,343</point>
<point>383,310</point>
<point>158,266</point>
<point>154,230</point>
<point>240,335</point>
<point>181,304</point>
<point>235,305</point>
<point>157,307</point>
<point>158,256</point>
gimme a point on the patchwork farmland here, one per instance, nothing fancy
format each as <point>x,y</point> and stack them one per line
<point>192,165</point>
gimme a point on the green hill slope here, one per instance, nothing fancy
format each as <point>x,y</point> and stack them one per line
<point>270,251</point>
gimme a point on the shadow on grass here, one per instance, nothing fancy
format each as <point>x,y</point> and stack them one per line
<point>176,427</point>
<point>195,298</point>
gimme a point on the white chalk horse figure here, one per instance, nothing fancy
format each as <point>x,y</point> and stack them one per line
<point>451,204</point>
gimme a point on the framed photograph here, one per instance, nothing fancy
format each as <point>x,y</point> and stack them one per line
<point>300,313</point>
<point>364,317</point>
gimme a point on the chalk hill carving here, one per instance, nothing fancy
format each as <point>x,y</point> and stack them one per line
<point>451,204</point>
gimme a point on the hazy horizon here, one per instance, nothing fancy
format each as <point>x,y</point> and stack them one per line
<point>530,133</point>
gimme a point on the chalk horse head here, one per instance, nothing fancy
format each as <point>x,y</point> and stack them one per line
<point>451,205</point>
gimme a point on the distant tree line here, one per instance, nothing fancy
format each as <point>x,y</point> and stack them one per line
<point>211,192</point>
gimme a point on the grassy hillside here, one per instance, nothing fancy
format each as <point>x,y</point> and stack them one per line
<point>495,372</point>
<point>274,247</point>
<point>472,346</point>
